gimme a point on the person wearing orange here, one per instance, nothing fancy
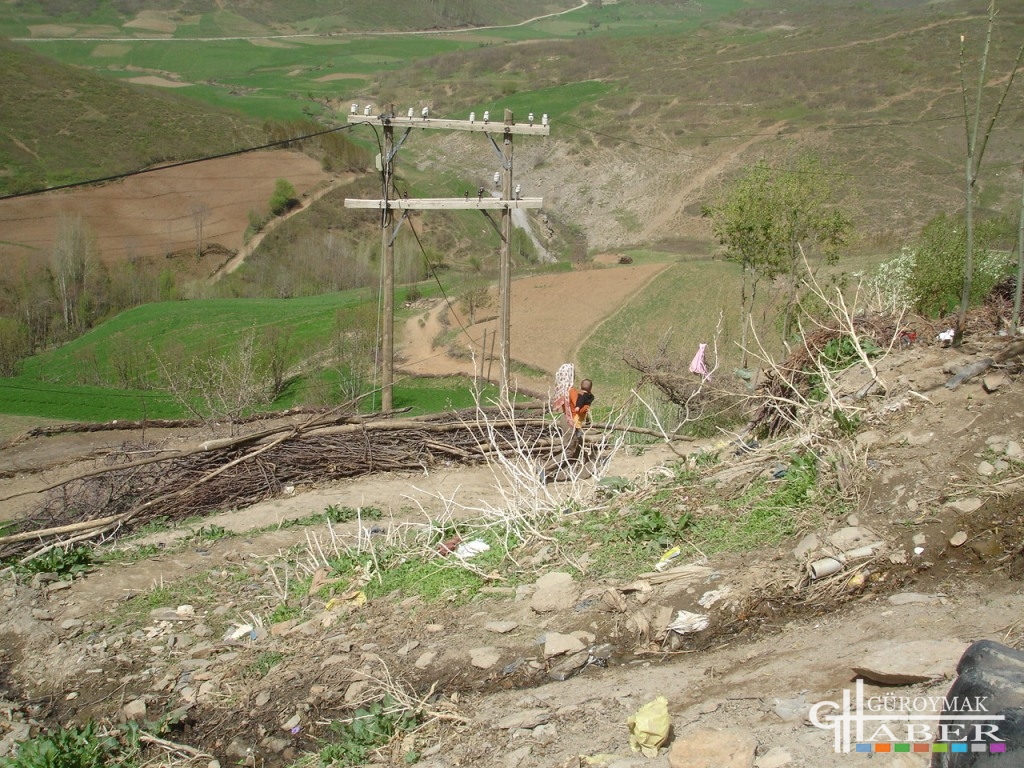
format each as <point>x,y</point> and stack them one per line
<point>575,406</point>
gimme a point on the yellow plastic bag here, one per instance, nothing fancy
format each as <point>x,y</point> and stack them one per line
<point>649,727</point>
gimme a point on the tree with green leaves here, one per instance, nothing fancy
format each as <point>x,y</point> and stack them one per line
<point>776,223</point>
<point>976,143</point>
<point>283,197</point>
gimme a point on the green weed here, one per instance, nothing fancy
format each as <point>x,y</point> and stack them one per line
<point>74,747</point>
<point>336,514</point>
<point>66,563</point>
<point>263,664</point>
<point>369,729</point>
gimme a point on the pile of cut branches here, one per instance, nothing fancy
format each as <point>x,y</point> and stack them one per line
<point>787,386</point>
<point>121,494</point>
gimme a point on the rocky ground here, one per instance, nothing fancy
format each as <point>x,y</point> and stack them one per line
<point>545,669</point>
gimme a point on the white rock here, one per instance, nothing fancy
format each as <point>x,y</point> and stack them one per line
<point>957,539</point>
<point>484,657</point>
<point>556,644</point>
<point>707,748</point>
<point>426,659</point>
<point>965,506</point>
<point>776,757</point>
<point>500,627</point>
<point>985,469</point>
<point>906,663</point>
<point>554,591</point>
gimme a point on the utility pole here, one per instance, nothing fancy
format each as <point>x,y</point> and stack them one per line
<point>388,121</point>
<point>388,266</point>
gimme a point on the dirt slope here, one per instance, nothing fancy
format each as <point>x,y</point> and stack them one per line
<point>777,643</point>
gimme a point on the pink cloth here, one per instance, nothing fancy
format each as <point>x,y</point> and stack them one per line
<point>697,364</point>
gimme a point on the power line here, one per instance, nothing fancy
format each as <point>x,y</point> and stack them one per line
<point>127,174</point>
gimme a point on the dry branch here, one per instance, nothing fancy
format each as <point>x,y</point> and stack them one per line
<point>122,495</point>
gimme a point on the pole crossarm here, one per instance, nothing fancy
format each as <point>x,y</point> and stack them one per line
<point>445,203</point>
<point>452,125</point>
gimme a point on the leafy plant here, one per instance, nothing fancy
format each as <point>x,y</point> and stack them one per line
<point>336,514</point>
<point>75,747</point>
<point>284,612</point>
<point>66,563</point>
<point>653,525</point>
<point>212,532</point>
<point>369,729</point>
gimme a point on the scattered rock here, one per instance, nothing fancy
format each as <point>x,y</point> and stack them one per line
<point>408,648</point>
<point>569,666</point>
<point>985,469</point>
<point>795,708</point>
<point>134,711</point>
<point>706,748</point>
<point>807,545</point>
<point>555,644</point>
<point>527,718</point>
<point>484,657</point>
<point>501,627</point>
<point>776,757</point>
<point>919,661</point>
<point>852,537</point>
<point>426,659</point>
<point>965,506</point>
<point>958,539</point>
<point>868,438</point>
<point>909,598</point>
<point>993,382</point>
<point>1013,450</point>
<point>554,591</point>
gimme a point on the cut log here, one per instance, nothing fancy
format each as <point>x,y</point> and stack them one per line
<point>969,372</point>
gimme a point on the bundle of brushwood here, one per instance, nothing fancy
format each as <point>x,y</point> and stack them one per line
<point>120,494</point>
<point>788,386</point>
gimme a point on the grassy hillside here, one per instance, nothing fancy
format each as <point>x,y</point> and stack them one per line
<point>63,124</point>
<point>50,18</point>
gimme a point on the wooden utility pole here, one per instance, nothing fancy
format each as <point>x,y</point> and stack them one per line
<point>388,266</point>
<point>506,204</point>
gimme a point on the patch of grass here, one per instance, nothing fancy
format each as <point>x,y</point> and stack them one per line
<point>262,665</point>
<point>131,554</point>
<point>757,518</point>
<point>284,612</point>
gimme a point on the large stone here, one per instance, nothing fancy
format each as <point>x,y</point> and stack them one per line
<point>707,748</point>
<point>526,718</point>
<point>965,506</point>
<point>906,663</point>
<point>852,537</point>
<point>555,644</point>
<point>554,591</point>
<point>484,657</point>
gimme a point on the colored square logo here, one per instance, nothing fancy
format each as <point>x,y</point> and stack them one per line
<point>900,747</point>
<point>980,747</point>
<point>958,747</point>
<point>883,747</point>
<point>923,747</point>
<point>996,747</point>
<point>862,748</point>
<point>940,747</point>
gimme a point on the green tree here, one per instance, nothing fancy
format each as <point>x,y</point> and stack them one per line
<point>778,223</point>
<point>283,198</point>
<point>976,143</point>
